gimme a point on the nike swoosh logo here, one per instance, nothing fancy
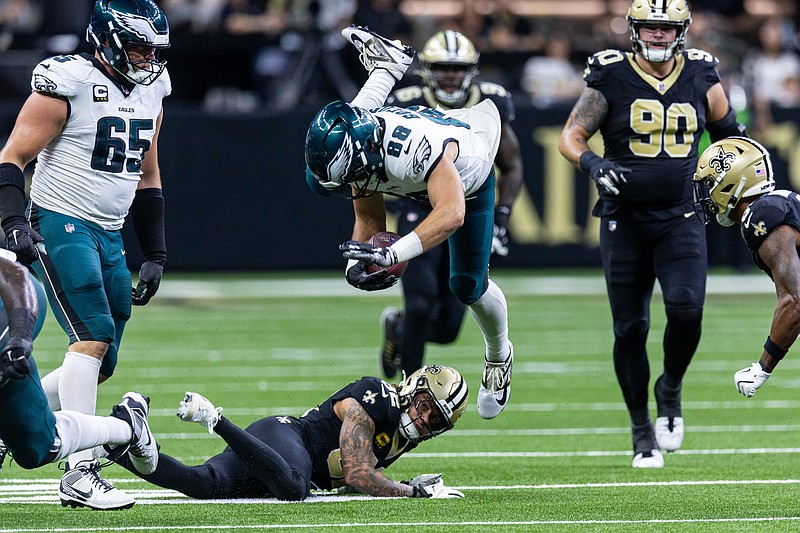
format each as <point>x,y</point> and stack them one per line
<point>79,492</point>
<point>690,214</point>
<point>407,148</point>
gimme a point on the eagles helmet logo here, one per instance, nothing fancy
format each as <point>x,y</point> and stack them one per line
<point>339,167</point>
<point>721,162</point>
<point>141,27</point>
<point>43,83</point>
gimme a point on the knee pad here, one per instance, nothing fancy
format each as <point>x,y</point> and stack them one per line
<point>629,329</point>
<point>467,289</point>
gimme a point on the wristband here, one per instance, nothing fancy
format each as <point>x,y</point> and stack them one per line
<point>501,215</point>
<point>774,350</point>
<point>407,247</point>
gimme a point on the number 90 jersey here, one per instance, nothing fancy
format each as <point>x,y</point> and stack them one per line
<point>414,140</point>
<point>91,170</point>
<point>653,126</point>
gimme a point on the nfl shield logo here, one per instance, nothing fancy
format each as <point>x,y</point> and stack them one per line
<point>69,227</point>
<point>612,225</point>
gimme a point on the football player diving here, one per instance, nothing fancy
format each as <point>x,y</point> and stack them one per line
<point>346,441</point>
<point>431,312</point>
<point>651,106</point>
<point>31,432</point>
<point>734,183</point>
<point>363,151</point>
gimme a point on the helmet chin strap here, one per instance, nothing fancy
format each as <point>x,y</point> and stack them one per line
<point>657,55</point>
<point>723,219</point>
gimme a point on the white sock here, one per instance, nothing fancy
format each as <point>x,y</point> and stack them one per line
<point>78,432</point>
<point>375,90</point>
<point>77,388</point>
<point>50,386</point>
<point>491,313</point>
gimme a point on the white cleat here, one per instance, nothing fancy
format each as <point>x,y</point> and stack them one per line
<point>376,51</point>
<point>651,459</point>
<point>196,408</point>
<point>669,433</point>
<point>82,486</point>
<point>495,387</point>
<point>143,450</point>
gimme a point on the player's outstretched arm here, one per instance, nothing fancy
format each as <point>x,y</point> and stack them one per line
<point>355,441</point>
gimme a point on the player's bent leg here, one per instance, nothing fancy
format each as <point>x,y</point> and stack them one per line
<point>28,430</point>
<point>391,317</point>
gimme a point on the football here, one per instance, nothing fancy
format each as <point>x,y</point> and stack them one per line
<point>383,239</point>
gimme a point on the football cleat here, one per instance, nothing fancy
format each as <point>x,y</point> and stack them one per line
<point>390,359</point>
<point>649,459</point>
<point>196,408</point>
<point>495,386</point>
<point>82,486</point>
<point>669,433</point>
<point>669,424</point>
<point>379,52</point>
<point>3,453</point>
<point>142,450</point>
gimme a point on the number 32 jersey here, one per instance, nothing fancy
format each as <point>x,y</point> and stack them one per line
<point>91,170</point>
<point>653,125</point>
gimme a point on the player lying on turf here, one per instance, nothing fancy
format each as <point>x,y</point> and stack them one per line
<point>345,441</point>
<point>30,431</point>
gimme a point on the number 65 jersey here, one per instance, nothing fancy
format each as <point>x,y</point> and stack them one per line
<point>653,125</point>
<point>91,170</point>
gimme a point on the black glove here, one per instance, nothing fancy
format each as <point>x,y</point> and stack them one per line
<point>609,176</point>
<point>14,360</point>
<point>374,255</point>
<point>358,277</point>
<point>22,239</point>
<point>149,280</point>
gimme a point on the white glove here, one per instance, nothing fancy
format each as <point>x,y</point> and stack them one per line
<point>425,479</point>
<point>436,490</point>
<point>749,380</point>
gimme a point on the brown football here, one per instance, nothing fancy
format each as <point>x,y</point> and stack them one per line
<point>383,239</point>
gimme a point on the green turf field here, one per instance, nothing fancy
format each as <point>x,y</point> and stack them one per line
<point>558,458</point>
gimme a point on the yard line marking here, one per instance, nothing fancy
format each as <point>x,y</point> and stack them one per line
<point>334,285</point>
<point>595,453</point>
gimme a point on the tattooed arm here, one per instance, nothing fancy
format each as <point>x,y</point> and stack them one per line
<point>355,441</point>
<point>585,119</point>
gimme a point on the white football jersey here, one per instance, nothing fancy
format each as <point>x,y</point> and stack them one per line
<point>91,170</point>
<point>415,138</point>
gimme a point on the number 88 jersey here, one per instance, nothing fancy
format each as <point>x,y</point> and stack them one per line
<point>653,125</point>
<point>91,170</point>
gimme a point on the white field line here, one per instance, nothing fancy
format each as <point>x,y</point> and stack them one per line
<point>395,525</point>
<point>512,285</point>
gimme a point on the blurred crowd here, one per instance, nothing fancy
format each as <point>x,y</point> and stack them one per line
<point>279,54</point>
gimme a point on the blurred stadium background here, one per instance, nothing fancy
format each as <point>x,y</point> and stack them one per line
<point>248,75</point>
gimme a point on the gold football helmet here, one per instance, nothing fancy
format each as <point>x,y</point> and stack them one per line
<point>440,389</point>
<point>729,170</point>
<point>449,63</point>
<point>672,13</point>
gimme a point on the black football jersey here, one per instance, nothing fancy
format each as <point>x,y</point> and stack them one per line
<point>653,126</point>
<point>321,428</point>
<point>778,208</point>
<point>479,91</point>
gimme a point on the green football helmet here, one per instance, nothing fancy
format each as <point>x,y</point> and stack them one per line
<point>728,171</point>
<point>118,24</point>
<point>672,13</point>
<point>440,389</point>
<point>343,147</point>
